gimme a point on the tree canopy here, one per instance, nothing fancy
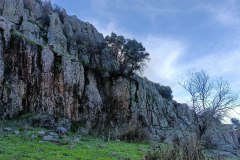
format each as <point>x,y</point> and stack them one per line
<point>130,54</point>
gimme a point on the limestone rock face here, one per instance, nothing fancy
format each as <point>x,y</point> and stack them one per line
<point>54,63</point>
<point>222,137</point>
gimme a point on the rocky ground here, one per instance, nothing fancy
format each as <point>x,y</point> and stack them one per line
<point>22,142</point>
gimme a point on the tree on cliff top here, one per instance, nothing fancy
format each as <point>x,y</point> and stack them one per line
<point>210,99</point>
<point>130,54</point>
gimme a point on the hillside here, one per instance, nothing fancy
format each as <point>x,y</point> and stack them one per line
<point>53,67</point>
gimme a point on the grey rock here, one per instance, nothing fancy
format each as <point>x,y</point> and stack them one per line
<point>53,134</point>
<point>94,98</point>
<point>66,123</point>
<point>221,137</point>
<point>31,30</point>
<point>61,130</point>
<point>33,136</point>
<point>44,120</point>
<point>85,59</point>
<point>6,26</point>
<point>2,66</point>
<point>41,132</point>
<point>47,59</point>
<point>163,123</point>
<point>16,132</point>
<point>50,138</point>
<point>7,129</point>
<point>216,154</point>
<point>83,131</point>
<point>55,34</point>
<point>108,63</point>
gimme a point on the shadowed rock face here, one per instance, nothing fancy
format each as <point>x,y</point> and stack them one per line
<point>54,63</point>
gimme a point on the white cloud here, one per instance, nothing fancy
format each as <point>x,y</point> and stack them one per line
<point>225,12</point>
<point>164,54</point>
<point>166,69</point>
<point>217,64</point>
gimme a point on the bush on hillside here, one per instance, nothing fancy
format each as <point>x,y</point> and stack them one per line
<point>165,92</point>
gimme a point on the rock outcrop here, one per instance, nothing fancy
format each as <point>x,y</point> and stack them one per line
<point>221,141</point>
<point>55,64</point>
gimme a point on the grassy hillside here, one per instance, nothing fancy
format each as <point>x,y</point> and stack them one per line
<point>26,146</point>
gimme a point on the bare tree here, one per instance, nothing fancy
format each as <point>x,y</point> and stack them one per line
<point>210,99</point>
<point>199,85</point>
<point>224,99</point>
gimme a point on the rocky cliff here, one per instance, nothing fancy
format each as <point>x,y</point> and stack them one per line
<point>54,66</point>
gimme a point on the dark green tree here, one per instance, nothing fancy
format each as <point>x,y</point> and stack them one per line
<point>134,55</point>
<point>130,54</point>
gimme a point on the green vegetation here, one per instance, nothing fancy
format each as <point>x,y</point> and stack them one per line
<point>16,33</point>
<point>130,54</point>
<point>24,147</point>
<point>165,91</point>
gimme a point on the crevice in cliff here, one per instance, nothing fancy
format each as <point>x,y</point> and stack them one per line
<point>20,23</point>
<point>3,39</point>
<point>83,97</point>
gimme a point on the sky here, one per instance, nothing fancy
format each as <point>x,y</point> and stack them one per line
<point>181,36</point>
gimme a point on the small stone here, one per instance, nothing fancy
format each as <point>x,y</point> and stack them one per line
<point>7,129</point>
<point>61,130</point>
<point>50,138</point>
<point>33,136</point>
<point>83,131</point>
<point>66,123</point>
<point>41,141</point>
<point>53,134</point>
<point>41,132</point>
<point>16,132</point>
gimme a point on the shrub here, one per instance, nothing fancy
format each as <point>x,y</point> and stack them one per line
<point>137,134</point>
<point>76,125</point>
<point>128,52</point>
<point>188,148</point>
<point>163,152</point>
<point>165,92</point>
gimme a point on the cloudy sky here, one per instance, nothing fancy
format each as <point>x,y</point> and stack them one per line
<point>180,35</point>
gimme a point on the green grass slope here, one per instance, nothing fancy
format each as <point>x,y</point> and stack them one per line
<point>24,147</point>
